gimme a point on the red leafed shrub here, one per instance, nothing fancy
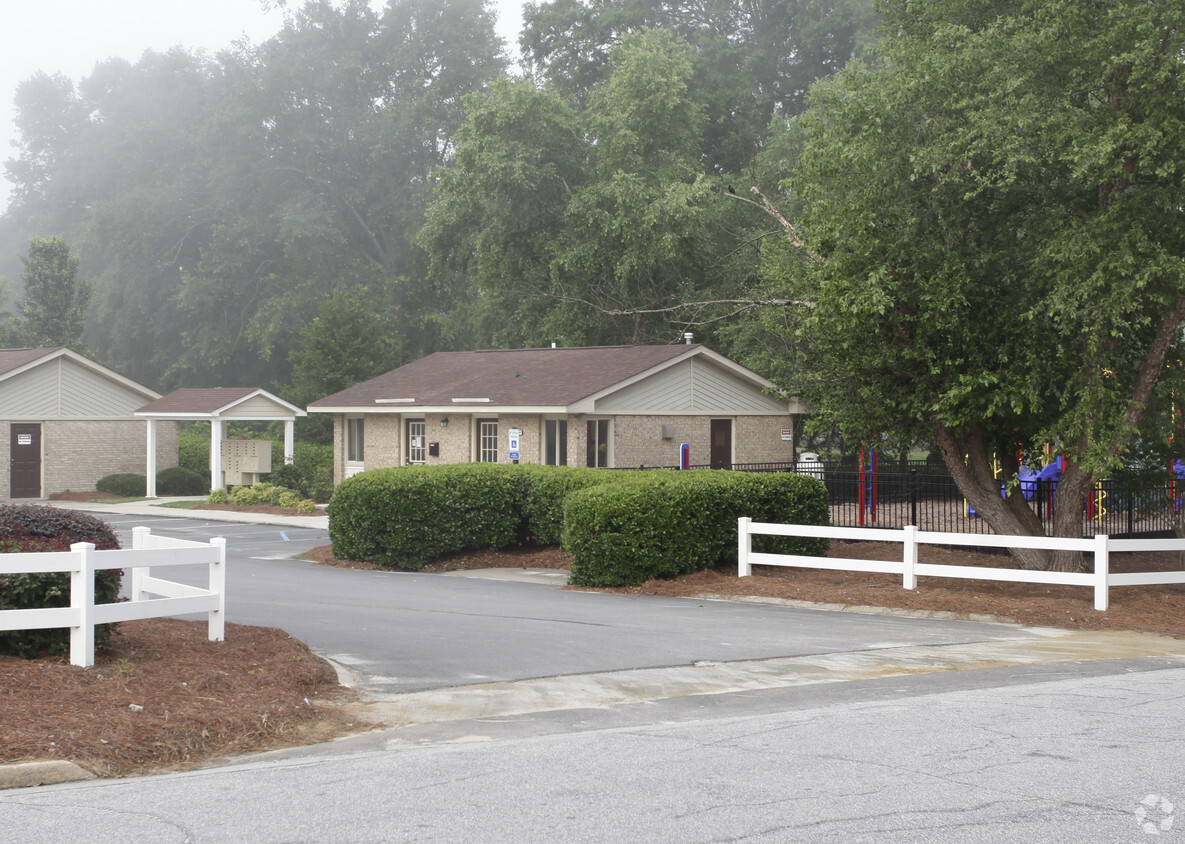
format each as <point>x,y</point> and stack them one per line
<point>33,529</point>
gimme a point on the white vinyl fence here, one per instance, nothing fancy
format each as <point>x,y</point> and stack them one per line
<point>1101,546</point>
<point>147,551</point>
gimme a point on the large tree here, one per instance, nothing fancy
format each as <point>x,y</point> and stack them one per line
<point>588,220</point>
<point>53,310</point>
<point>995,211</point>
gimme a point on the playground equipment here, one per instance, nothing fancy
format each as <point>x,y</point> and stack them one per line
<point>866,493</point>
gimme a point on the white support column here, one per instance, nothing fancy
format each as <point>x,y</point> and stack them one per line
<point>216,454</point>
<point>151,467</point>
<point>289,441</point>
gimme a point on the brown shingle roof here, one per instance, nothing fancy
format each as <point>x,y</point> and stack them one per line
<point>11,359</point>
<point>508,377</point>
<point>198,400</point>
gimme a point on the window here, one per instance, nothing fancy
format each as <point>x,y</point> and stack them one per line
<point>355,440</point>
<point>555,442</point>
<point>487,440</point>
<point>416,434</point>
<point>598,443</point>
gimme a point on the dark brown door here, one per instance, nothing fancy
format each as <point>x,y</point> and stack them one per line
<point>721,454</point>
<point>25,465</point>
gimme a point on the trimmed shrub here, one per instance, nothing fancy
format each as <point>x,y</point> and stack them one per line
<point>181,481</point>
<point>125,485</point>
<point>30,528</point>
<point>667,523</point>
<point>544,490</point>
<point>218,496</point>
<point>409,516</point>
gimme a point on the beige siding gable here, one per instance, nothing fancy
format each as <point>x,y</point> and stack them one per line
<point>87,394</point>
<point>257,406</point>
<point>693,386</point>
<point>31,395</point>
<point>62,389</point>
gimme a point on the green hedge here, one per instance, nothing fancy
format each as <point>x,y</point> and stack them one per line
<point>667,523</point>
<point>125,485</point>
<point>544,489</point>
<point>409,516</point>
<point>181,481</point>
<point>622,527</point>
<point>30,529</point>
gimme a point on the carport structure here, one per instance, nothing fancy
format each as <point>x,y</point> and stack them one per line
<point>218,405</point>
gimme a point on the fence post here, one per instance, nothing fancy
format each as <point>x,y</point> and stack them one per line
<point>913,497</point>
<point>744,547</point>
<point>1102,566</point>
<point>139,543</point>
<point>910,551</point>
<point>82,601</point>
<point>217,618</point>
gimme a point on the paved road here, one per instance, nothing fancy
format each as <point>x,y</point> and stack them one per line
<point>761,723</point>
<point>1084,759</point>
<point>405,632</point>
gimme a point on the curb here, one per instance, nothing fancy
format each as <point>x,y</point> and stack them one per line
<point>29,774</point>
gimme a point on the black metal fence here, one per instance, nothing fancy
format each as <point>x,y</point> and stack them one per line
<point>933,501</point>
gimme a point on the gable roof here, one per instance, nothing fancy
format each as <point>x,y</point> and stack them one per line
<point>14,359</point>
<point>515,378</point>
<point>14,362</point>
<point>208,402</point>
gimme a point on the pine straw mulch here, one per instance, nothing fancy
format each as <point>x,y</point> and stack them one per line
<point>1153,609</point>
<point>164,697</point>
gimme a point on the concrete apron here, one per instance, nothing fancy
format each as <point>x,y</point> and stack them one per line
<point>619,688</point>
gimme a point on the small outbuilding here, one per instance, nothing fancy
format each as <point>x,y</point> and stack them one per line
<point>219,405</point>
<point>607,406</point>
<point>69,421</point>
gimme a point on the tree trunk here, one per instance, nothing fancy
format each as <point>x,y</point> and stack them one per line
<point>1007,515</point>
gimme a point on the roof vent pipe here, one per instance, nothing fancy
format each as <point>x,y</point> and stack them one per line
<point>687,337</point>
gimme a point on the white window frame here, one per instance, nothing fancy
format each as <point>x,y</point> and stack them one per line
<point>412,457</point>
<point>607,440</point>
<point>481,446</point>
<point>556,424</point>
<point>354,452</point>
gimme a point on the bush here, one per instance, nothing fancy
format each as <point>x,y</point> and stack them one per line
<point>193,447</point>
<point>125,485</point>
<point>544,490</point>
<point>28,528</point>
<point>181,481</point>
<point>623,527</point>
<point>409,516</point>
<point>309,475</point>
<point>667,523</point>
<point>218,496</point>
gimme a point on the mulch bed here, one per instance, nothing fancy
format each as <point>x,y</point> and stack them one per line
<point>163,696</point>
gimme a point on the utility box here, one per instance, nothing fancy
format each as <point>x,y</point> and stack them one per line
<point>243,461</point>
<point>809,464</point>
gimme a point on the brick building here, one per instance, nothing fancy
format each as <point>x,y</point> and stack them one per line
<point>69,422</point>
<point>609,406</point>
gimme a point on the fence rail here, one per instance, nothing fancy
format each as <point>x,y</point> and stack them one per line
<point>1101,579</point>
<point>147,551</point>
